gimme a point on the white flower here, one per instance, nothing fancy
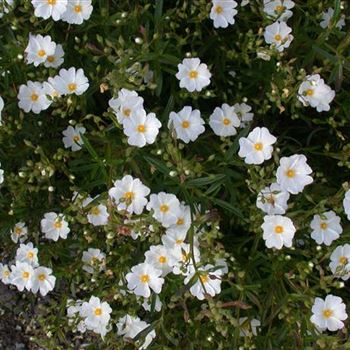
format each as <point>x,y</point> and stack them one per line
<point>49,8</point>
<point>141,129</point>
<point>5,274</point>
<point>129,327</point>
<point>27,253</point>
<point>174,240</point>
<point>257,146</point>
<point>77,11</point>
<point>129,194</point>
<point>72,137</point>
<point>144,277</point>
<point>165,208</point>
<point>326,19</point>
<point>32,97</point>
<point>183,222</point>
<point>125,104</point>
<point>329,313</point>
<point>98,215</point>
<point>43,281</point>
<point>56,59</point>
<point>248,327</point>
<point>147,304</point>
<point>1,108</point>
<point>158,257</point>
<point>96,315</point>
<point>22,276</point>
<point>93,259</point>
<point>181,259</point>
<point>224,121</point>
<point>346,204</point>
<point>273,200</point>
<point>293,173</point>
<point>314,92</point>
<point>71,81</point>
<point>208,282</point>
<point>279,9</point>
<point>193,74</point>
<point>326,228</point>
<point>4,6</point>
<point>278,231</point>
<point>223,13</point>
<point>19,232</point>
<point>39,48</point>
<point>243,113</point>
<point>188,124</point>
<point>340,262</point>
<point>279,35</point>
<point>54,226</point>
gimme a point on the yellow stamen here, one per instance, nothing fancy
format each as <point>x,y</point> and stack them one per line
<point>309,92</point>
<point>185,124</point>
<point>279,229</point>
<point>279,8</point>
<point>164,208</point>
<point>204,278</point>
<point>327,313</point>
<point>129,195</point>
<point>226,121</point>
<point>278,37</point>
<point>258,146</point>
<point>180,221</point>
<point>323,225</point>
<point>51,59</point>
<point>141,128</point>
<point>95,211</point>
<point>42,277</point>
<point>162,259</point>
<point>218,9</point>
<point>127,112</point>
<point>193,74</point>
<point>72,87</point>
<point>41,53</point>
<point>30,255</point>
<point>98,311</point>
<point>76,138</point>
<point>58,224</point>
<point>290,173</point>
<point>343,260</point>
<point>34,97</point>
<point>144,278</point>
<point>25,275</point>
<point>51,2</point>
<point>77,8</point>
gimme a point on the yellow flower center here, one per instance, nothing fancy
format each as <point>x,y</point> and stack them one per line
<point>290,173</point>
<point>270,199</point>
<point>127,112</point>
<point>41,53</point>
<point>95,211</point>
<point>18,231</point>
<point>34,97</point>
<point>309,92</point>
<point>327,313</point>
<point>164,208</point>
<point>278,37</point>
<point>323,225</point>
<point>185,257</point>
<point>77,8</point>
<point>141,128</point>
<point>6,273</point>
<point>42,277</point>
<point>179,241</point>
<point>98,311</point>
<point>226,121</point>
<point>76,138</point>
<point>72,87</point>
<point>25,275</point>
<point>51,59</point>
<point>58,224</point>
<point>162,259</point>
<point>128,195</point>
<point>258,146</point>
<point>279,229</point>
<point>51,2</point>
<point>279,8</point>
<point>343,260</point>
<point>180,221</point>
<point>144,278</point>
<point>204,278</point>
<point>193,74</point>
<point>219,9</point>
<point>185,124</point>
<point>30,255</point>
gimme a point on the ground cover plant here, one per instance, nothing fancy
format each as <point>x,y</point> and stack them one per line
<point>174,174</point>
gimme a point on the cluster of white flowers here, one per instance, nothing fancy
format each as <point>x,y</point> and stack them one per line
<point>70,11</point>
<point>26,273</point>
<point>278,34</point>
<point>42,50</point>
<point>140,128</point>
<point>93,315</point>
<point>37,97</point>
